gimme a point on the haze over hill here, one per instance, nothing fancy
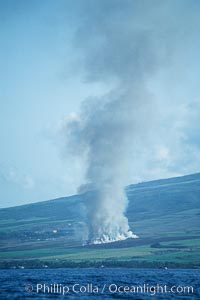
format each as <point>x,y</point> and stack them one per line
<point>164,213</point>
<point>154,207</point>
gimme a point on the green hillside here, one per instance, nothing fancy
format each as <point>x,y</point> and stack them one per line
<point>164,213</point>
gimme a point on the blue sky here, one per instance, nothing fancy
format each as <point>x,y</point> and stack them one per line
<point>45,74</point>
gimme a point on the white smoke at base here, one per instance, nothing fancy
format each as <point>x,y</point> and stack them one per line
<point>119,237</point>
<point>108,223</point>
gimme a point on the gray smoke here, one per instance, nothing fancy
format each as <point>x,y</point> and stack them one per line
<point>119,50</point>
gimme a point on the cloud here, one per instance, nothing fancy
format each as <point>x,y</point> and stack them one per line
<point>13,176</point>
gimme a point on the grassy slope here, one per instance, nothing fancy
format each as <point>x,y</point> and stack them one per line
<point>159,210</point>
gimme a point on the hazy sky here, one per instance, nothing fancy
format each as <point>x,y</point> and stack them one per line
<point>54,55</point>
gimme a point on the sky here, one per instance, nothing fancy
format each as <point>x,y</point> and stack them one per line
<point>57,55</point>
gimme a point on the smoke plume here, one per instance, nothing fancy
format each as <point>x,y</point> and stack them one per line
<point>120,52</point>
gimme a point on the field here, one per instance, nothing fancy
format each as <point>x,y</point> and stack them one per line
<point>164,213</point>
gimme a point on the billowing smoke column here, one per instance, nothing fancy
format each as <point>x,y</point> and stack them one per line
<point>116,51</point>
<point>103,133</point>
